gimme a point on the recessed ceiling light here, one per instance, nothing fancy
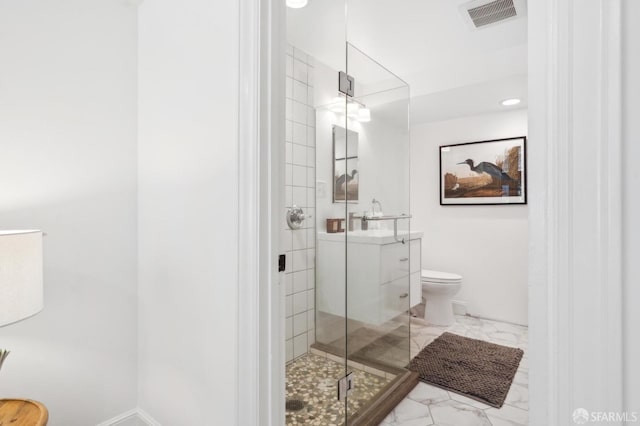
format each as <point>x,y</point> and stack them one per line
<point>509,102</point>
<point>297,4</point>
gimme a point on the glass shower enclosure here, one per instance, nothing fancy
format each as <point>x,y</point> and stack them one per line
<point>365,275</point>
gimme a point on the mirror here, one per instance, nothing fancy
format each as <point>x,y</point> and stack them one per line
<point>346,177</point>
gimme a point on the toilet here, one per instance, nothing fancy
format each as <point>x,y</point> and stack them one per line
<point>438,289</point>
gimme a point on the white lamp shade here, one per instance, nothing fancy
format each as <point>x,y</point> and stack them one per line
<point>21,294</point>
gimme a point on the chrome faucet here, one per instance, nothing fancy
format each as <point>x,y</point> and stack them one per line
<point>373,204</point>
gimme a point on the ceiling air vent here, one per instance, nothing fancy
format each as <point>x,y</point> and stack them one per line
<point>482,13</point>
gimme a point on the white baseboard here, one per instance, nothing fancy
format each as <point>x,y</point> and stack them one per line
<point>121,418</point>
<point>499,320</point>
<point>146,418</point>
<point>459,307</point>
<point>135,417</point>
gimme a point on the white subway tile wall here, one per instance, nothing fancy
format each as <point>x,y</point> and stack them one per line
<point>299,189</point>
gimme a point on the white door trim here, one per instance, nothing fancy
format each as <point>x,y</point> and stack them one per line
<point>575,343</point>
<point>249,231</point>
<point>574,174</point>
<point>260,387</point>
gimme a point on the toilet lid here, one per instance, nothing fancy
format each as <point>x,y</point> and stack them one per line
<point>440,277</point>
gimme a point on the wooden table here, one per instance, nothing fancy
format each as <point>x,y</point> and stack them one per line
<point>22,412</point>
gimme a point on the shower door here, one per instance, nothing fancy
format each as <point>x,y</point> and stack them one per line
<point>347,150</point>
<point>379,245</point>
<point>316,131</point>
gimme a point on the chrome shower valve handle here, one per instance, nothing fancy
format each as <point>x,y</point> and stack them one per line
<point>295,217</point>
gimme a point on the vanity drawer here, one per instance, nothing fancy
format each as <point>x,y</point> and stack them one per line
<point>415,252</point>
<point>394,299</point>
<point>397,258</point>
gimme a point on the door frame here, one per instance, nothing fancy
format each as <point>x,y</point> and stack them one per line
<point>575,236</point>
<point>261,121</point>
<point>575,212</point>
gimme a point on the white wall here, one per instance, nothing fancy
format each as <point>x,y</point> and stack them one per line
<point>68,166</point>
<point>487,245</point>
<point>631,204</point>
<point>188,206</point>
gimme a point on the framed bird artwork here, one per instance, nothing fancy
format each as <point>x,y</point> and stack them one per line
<point>346,177</point>
<point>490,172</point>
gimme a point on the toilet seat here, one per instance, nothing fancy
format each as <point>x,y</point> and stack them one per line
<point>428,275</point>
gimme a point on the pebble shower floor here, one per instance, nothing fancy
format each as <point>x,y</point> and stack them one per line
<point>313,379</point>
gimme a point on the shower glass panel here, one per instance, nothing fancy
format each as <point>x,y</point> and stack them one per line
<point>315,321</point>
<point>380,274</point>
<point>349,286</point>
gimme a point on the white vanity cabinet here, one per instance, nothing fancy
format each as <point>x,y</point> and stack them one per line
<point>383,275</point>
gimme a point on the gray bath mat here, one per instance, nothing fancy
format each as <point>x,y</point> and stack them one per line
<point>474,368</point>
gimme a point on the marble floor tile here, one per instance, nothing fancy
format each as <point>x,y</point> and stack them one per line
<point>458,329</point>
<point>477,334</point>
<point>453,413</point>
<point>524,362</point>
<point>503,338</point>
<point>511,328</point>
<point>409,413</point>
<point>419,340</point>
<point>446,408</point>
<point>469,321</point>
<point>518,396</point>
<point>521,377</point>
<point>524,337</point>
<point>468,401</point>
<point>414,350</point>
<point>488,327</point>
<point>425,336</point>
<point>508,416</point>
<point>427,394</point>
<point>414,422</point>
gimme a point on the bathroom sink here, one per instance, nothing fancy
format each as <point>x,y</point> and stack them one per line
<point>374,236</point>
